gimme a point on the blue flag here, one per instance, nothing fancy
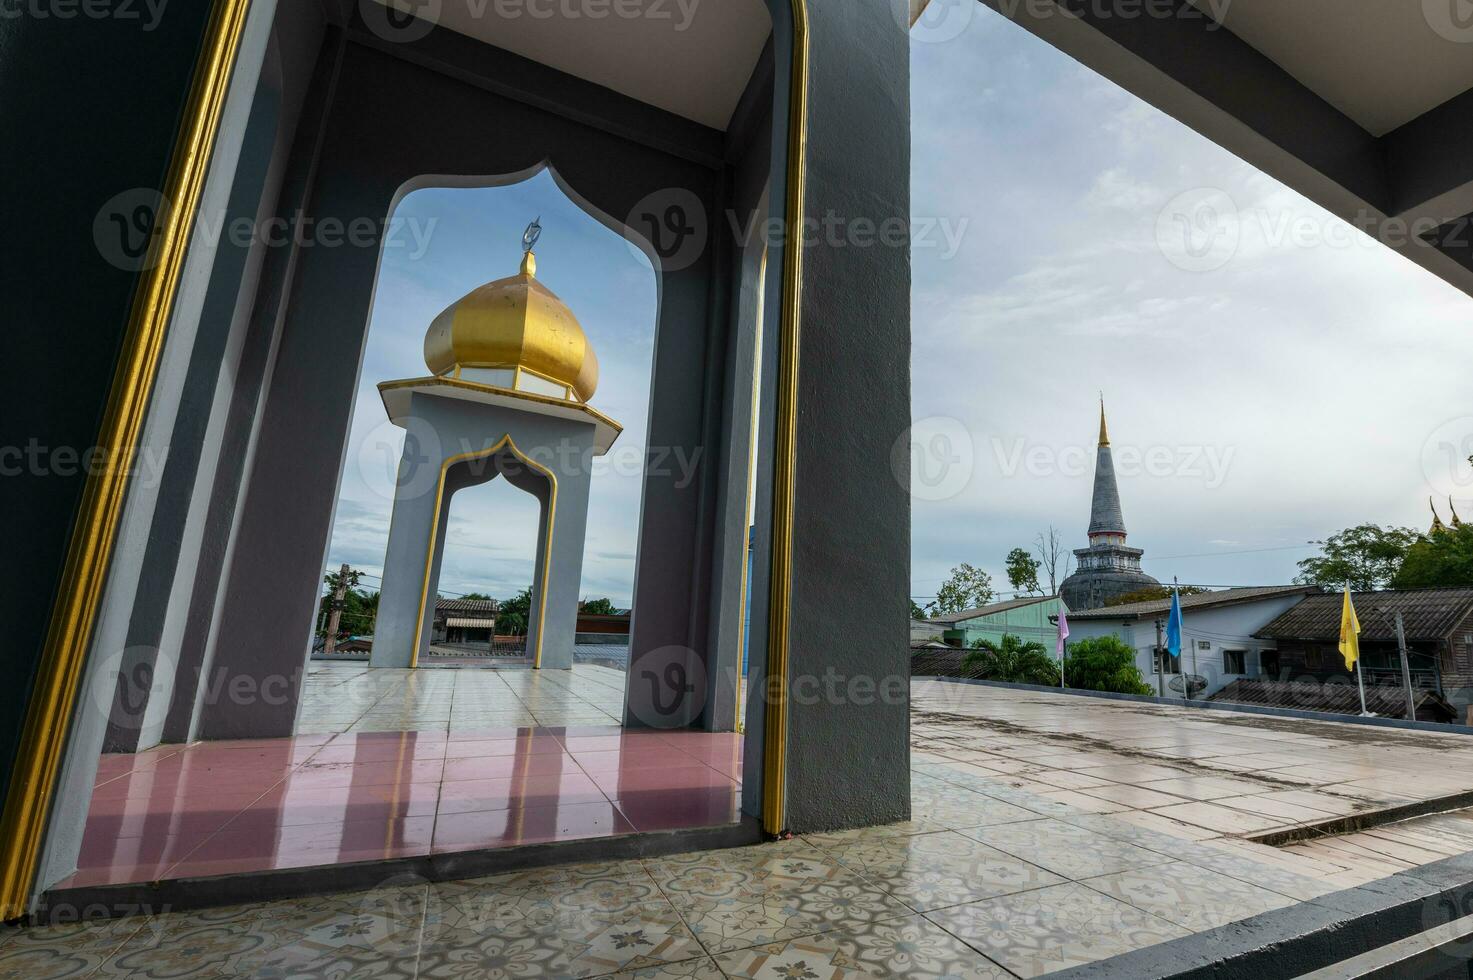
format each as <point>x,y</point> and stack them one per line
<point>1173,626</point>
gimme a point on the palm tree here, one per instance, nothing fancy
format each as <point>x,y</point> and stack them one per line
<point>1012,661</point>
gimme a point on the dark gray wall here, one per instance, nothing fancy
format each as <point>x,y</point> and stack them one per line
<point>305,61</point>
<point>848,747</point>
<point>70,87</point>
<point>424,94</point>
<point>166,532</point>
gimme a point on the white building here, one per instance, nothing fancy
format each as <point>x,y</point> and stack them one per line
<point>1217,633</point>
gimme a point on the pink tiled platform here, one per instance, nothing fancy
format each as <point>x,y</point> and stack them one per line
<point>228,807</point>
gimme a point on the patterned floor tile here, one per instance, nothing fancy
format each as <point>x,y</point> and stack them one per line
<point>1227,861</point>
<point>731,904</point>
<point>932,871</point>
<point>700,969</point>
<point>1195,898</point>
<point>373,935</point>
<point>551,923</point>
<point>37,961</point>
<point>913,947</point>
<point>904,828</point>
<point>1067,849</point>
<point>1038,932</point>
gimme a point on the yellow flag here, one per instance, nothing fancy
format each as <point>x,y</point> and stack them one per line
<point>1349,632</point>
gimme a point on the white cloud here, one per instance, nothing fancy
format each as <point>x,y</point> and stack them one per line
<point>1315,361</point>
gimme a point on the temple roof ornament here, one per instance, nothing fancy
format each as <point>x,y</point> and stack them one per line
<point>1437,524</point>
<point>515,333</point>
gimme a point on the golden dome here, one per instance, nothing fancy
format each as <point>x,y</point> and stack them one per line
<point>514,333</point>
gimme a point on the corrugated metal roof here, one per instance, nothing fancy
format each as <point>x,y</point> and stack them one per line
<point>1203,600</point>
<point>1429,614</point>
<point>996,607</point>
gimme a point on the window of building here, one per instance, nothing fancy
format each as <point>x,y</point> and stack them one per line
<point>1234,661</point>
<point>1173,666</point>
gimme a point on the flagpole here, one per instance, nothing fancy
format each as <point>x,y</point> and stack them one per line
<point>1361,682</point>
<point>1062,626</point>
<point>1186,684</point>
<point>1351,624</point>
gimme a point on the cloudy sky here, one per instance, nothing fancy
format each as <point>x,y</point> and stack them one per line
<point>1287,379</point>
<point>470,237</point>
<point>1302,386</point>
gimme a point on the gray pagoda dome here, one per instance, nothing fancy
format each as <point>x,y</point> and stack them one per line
<point>1107,569</point>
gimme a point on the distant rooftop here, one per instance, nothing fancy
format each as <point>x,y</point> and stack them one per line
<point>996,607</point>
<point>466,605</point>
<point>1428,614</point>
<point>1204,600</point>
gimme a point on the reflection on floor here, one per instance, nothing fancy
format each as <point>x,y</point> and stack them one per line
<point>404,764</point>
<point>347,697</point>
<point>1041,840</point>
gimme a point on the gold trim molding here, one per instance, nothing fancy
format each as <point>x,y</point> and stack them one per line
<point>79,593</point>
<point>775,733</point>
<point>424,593</point>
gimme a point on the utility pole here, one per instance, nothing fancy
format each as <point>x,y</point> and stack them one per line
<point>339,595</point>
<point>1161,656</point>
<point>1406,670</point>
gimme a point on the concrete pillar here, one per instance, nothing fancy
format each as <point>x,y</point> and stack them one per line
<point>544,456</point>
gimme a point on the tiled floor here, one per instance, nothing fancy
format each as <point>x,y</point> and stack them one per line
<point>1038,844</point>
<point>451,772</point>
<point>346,697</point>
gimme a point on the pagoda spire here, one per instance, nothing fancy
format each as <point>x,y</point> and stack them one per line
<point>1104,512</point>
<point>1457,521</point>
<point>1437,524</point>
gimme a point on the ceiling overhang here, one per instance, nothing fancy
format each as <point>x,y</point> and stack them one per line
<point>692,58</point>
<point>1293,89</point>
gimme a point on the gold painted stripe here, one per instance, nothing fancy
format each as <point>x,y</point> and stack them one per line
<point>79,594</point>
<point>775,734</point>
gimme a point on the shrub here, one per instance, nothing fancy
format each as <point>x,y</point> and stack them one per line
<point>1013,661</point>
<point>1103,663</point>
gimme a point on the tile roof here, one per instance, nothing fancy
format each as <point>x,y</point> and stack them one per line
<point>465,605</point>
<point>1339,698</point>
<point>996,607</point>
<point>1429,614</point>
<point>1204,600</point>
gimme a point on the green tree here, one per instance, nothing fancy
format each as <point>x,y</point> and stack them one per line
<point>1154,592</point>
<point>359,609</point>
<point>511,616</point>
<point>1013,661</point>
<point>967,588</point>
<point>1368,557</point>
<point>600,607</point>
<point>478,596</point>
<point>1442,558</point>
<point>916,612</point>
<point>1023,571</point>
<point>1103,663</point>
